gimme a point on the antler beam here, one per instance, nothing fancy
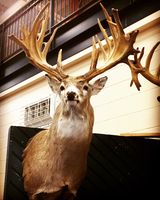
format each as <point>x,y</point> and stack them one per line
<point>36,49</point>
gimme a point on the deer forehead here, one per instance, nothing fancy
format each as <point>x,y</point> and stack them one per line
<point>73,85</point>
<point>72,88</point>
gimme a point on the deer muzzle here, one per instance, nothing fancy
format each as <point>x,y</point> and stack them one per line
<point>71,96</point>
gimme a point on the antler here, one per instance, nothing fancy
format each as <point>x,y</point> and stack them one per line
<point>118,49</point>
<point>136,68</point>
<point>36,49</point>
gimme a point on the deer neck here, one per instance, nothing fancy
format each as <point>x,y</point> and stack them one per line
<point>74,122</point>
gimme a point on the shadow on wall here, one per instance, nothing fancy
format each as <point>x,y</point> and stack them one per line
<point>117,166</point>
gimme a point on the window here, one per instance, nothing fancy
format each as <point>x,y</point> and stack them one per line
<point>38,114</point>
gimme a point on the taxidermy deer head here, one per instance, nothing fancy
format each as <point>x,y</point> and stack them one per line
<point>55,160</point>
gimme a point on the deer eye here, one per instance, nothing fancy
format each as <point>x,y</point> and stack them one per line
<point>85,87</point>
<point>62,88</point>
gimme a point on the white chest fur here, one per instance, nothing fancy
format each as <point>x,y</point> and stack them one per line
<point>72,127</point>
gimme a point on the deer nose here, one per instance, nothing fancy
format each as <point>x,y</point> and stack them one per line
<point>71,96</point>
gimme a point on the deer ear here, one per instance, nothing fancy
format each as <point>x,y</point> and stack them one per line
<point>98,85</point>
<point>53,83</point>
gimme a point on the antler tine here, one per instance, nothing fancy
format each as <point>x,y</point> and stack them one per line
<point>105,54</point>
<point>59,59</point>
<point>34,46</point>
<point>59,62</point>
<point>95,54</point>
<point>108,41</point>
<point>150,55</point>
<point>94,60</point>
<point>118,21</point>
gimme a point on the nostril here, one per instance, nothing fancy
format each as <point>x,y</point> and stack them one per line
<point>71,96</point>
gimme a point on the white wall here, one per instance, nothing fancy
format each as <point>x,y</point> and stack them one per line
<point>118,108</point>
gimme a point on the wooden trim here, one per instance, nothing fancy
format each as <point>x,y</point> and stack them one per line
<point>140,134</point>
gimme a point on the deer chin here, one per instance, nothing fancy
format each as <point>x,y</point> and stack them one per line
<point>73,103</point>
